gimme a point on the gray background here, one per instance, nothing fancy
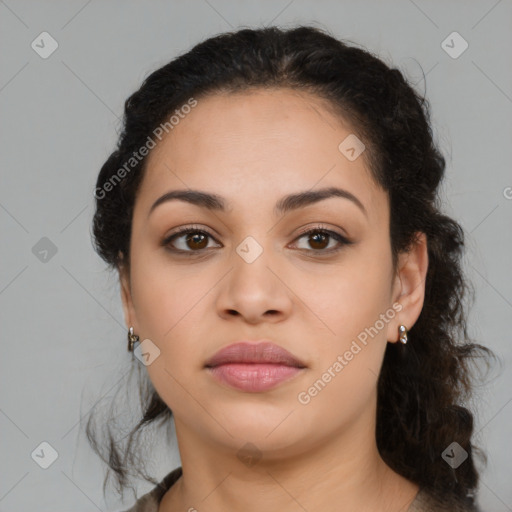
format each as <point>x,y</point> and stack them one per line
<point>63,334</point>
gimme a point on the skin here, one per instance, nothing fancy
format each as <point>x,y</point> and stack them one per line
<point>252,148</point>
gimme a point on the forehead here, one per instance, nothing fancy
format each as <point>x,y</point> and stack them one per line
<point>255,119</point>
<point>259,145</point>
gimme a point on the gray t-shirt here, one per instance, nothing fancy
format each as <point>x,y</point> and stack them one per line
<point>425,501</point>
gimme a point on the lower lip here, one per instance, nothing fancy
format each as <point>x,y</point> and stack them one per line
<point>253,377</point>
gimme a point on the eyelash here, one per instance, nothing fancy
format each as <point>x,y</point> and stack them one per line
<point>342,240</point>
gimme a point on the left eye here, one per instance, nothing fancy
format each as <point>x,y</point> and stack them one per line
<point>318,238</point>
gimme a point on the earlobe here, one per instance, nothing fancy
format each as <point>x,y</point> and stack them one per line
<point>126,297</point>
<point>409,286</point>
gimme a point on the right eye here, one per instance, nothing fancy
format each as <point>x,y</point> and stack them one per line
<point>191,240</point>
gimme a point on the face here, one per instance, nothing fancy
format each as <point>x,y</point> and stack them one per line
<point>314,278</point>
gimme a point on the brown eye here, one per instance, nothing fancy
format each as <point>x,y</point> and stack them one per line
<point>188,240</point>
<point>318,240</point>
<point>196,240</point>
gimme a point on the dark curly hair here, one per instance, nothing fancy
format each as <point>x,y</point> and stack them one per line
<point>425,388</point>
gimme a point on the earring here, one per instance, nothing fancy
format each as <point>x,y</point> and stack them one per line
<point>132,339</point>
<point>402,329</point>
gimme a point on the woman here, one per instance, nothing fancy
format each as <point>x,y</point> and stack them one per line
<point>289,282</point>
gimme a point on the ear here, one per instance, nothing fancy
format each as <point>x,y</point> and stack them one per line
<point>126,297</point>
<point>409,286</point>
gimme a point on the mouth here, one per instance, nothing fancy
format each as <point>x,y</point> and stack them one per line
<point>254,367</point>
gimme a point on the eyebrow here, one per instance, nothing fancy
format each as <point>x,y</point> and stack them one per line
<point>284,205</point>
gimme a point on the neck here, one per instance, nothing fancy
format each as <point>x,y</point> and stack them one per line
<point>332,475</point>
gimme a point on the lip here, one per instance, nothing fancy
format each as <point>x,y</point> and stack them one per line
<point>254,366</point>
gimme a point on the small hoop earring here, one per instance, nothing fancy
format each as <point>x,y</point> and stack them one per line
<point>132,339</point>
<point>402,330</point>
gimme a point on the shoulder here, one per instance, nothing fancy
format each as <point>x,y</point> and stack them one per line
<point>428,501</point>
<point>149,502</point>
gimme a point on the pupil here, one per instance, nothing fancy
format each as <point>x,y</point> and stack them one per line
<point>316,236</point>
<point>194,237</point>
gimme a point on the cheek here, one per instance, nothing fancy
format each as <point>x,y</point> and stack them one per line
<point>169,314</point>
<point>163,296</point>
<point>351,297</point>
<point>350,355</point>
<point>351,303</point>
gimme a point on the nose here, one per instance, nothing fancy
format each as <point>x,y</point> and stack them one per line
<point>255,291</point>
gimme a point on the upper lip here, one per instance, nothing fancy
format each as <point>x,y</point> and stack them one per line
<point>251,352</point>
